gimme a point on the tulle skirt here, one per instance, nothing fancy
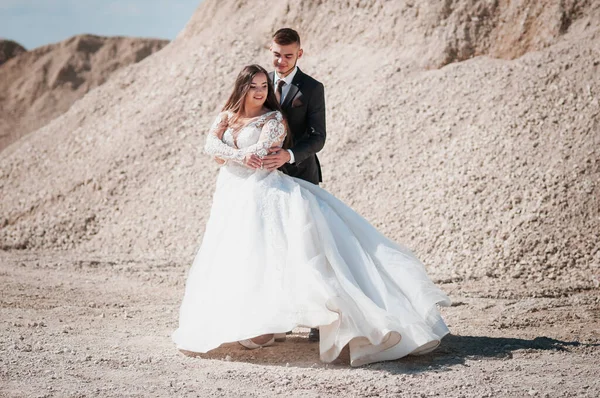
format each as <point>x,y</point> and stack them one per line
<point>279,252</point>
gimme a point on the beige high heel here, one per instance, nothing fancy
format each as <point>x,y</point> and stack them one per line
<point>279,337</point>
<point>251,345</point>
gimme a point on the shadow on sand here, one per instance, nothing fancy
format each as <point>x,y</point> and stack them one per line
<point>454,350</point>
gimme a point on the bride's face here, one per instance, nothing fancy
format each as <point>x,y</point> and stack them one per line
<point>257,94</point>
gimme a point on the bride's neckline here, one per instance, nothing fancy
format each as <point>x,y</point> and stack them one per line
<point>235,133</point>
<point>252,120</point>
<point>257,116</point>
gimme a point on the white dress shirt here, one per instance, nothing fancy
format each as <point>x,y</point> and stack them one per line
<point>284,92</point>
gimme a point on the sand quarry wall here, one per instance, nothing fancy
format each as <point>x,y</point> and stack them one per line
<point>37,86</point>
<point>467,130</point>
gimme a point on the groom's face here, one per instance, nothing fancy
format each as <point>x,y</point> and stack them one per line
<point>285,57</point>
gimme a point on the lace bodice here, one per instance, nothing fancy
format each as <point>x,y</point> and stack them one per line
<point>256,137</point>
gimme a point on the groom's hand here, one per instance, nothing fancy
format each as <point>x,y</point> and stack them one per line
<point>276,158</point>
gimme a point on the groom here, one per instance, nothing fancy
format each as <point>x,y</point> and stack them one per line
<point>302,99</point>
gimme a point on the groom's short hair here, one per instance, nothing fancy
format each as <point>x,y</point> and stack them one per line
<point>286,36</point>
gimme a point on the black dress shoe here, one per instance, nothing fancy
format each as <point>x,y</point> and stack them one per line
<point>313,335</point>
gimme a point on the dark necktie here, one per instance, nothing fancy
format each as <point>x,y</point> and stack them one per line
<point>279,90</point>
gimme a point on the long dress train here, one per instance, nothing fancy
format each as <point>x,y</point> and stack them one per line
<point>279,252</point>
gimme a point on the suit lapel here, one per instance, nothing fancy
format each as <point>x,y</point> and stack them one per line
<point>295,87</point>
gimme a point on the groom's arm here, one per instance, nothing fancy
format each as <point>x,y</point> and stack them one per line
<point>315,124</point>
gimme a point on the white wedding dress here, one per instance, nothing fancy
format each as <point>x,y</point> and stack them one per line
<point>279,252</point>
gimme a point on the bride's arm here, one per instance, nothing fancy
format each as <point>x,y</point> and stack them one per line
<point>214,141</point>
<point>272,134</point>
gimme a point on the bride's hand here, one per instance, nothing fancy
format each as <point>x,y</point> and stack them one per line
<point>253,161</point>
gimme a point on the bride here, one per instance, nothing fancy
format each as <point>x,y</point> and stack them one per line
<point>279,252</point>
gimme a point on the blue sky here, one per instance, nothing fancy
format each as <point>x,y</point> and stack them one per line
<point>33,23</point>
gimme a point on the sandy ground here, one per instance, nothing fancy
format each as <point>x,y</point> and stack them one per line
<point>76,325</point>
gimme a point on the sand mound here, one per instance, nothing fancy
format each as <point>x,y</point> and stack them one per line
<point>428,33</point>
<point>39,85</point>
<point>485,167</point>
<point>9,49</point>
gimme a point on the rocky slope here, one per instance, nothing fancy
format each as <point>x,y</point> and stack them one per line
<point>39,85</point>
<point>9,49</point>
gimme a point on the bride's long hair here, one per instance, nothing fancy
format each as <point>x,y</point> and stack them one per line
<point>237,99</point>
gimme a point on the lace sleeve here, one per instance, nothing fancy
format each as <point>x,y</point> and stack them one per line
<point>272,133</point>
<point>214,141</point>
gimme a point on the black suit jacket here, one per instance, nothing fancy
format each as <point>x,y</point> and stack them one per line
<point>304,110</point>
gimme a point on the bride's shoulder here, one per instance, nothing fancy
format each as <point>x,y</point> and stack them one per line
<point>223,117</point>
<point>274,115</point>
